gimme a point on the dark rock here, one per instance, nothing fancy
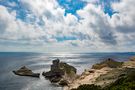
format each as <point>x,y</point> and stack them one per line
<point>55,66</point>
<point>24,71</point>
<point>53,76</point>
<point>58,71</point>
<point>91,71</point>
<point>55,79</point>
<point>63,83</point>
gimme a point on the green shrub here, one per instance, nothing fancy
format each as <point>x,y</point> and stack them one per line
<point>125,83</point>
<point>88,87</point>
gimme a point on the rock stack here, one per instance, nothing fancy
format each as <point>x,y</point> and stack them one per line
<point>59,72</point>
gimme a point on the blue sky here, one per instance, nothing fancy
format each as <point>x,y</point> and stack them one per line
<point>66,23</point>
<point>70,6</point>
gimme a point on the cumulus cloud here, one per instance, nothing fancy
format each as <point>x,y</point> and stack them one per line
<point>94,31</point>
<point>14,29</point>
<point>124,21</point>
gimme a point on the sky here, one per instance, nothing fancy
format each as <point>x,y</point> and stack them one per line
<point>67,25</point>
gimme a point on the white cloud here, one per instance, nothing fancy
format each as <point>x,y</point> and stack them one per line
<point>96,31</point>
<point>40,7</point>
<point>124,21</point>
<point>15,29</point>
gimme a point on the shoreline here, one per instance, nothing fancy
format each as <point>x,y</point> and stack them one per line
<point>64,75</point>
<point>91,76</point>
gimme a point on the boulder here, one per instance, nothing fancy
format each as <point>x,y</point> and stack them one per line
<point>91,71</point>
<point>63,83</point>
<point>55,79</point>
<point>24,71</point>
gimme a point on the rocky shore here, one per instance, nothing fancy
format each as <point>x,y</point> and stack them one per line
<point>101,76</point>
<point>60,73</point>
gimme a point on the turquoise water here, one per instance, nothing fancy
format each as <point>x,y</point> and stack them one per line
<point>39,62</point>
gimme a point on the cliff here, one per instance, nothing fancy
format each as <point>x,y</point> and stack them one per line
<point>107,75</point>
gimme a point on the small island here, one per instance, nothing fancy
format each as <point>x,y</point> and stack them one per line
<point>24,71</point>
<point>60,73</point>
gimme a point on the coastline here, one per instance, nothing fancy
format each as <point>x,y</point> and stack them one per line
<point>39,63</point>
<point>101,77</point>
<point>87,78</point>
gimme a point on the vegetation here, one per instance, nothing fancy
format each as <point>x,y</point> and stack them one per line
<point>107,63</point>
<point>67,68</point>
<point>124,83</point>
<point>88,87</point>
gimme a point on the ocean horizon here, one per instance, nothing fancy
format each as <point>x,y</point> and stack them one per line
<point>39,62</point>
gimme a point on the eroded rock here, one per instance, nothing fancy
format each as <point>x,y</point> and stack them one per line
<point>60,71</point>
<point>24,71</point>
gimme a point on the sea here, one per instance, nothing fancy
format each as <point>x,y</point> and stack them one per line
<point>39,62</point>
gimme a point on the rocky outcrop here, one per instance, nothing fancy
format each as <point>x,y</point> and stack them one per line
<point>107,74</point>
<point>60,73</point>
<point>24,71</point>
<point>132,58</point>
<point>116,79</point>
<point>108,63</point>
<point>130,63</point>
